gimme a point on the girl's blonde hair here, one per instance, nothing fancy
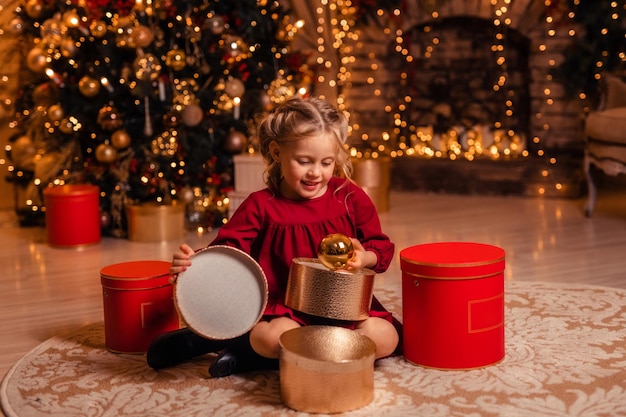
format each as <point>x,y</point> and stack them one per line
<point>300,118</point>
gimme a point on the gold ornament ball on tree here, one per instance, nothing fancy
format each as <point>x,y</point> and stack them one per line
<point>176,59</point>
<point>186,195</point>
<point>71,19</point>
<point>56,113</point>
<point>109,118</point>
<point>120,139</point>
<point>98,28</point>
<point>147,67</point>
<point>235,142</point>
<point>335,250</point>
<point>234,87</point>
<point>46,94</point>
<point>17,26</point>
<point>36,60</point>
<point>142,36</point>
<point>192,115</point>
<point>88,86</point>
<point>33,8</point>
<point>22,151</point>
<point>66,126</point>
<point>68,48</point>
<point>106,154</point>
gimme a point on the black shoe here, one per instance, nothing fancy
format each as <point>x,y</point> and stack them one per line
<point>178,346</point>
<point>224,364</point>
<point>235,361</point>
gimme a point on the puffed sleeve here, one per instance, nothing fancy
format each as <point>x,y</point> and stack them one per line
<point>368,228</point>
<point>244,226</point>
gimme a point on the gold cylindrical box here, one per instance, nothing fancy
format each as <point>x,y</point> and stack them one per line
<point>151,222</point>
<point>326,369</point>
<point>374,176</point>
<point>314,289</point>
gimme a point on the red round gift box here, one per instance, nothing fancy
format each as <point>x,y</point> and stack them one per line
<point>453,304</point>
<point>72,215</point>
<point>138,304</point>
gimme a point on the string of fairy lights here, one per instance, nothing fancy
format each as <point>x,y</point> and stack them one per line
<point>339,48</point>
<point>500,142</point>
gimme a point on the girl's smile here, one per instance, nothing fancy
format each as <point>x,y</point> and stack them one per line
<point>306,165</point>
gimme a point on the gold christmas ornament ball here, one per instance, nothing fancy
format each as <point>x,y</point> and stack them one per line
<point>120,139</point>
<point>46,94</point>
<point>71,19</point>
<point>192,115</point>
<point>109,118</point>
<point>17,26</point>
<point>22,150</point>
<point>147,67</point>
<point>36,60</point>
<point>106,154</point>
<point>176,59</point>
<point>88,86</point>
<point>216,24</point>
<point>235,142</point>
<point>143,36</point>
<point>335,250</point>
<point>234,87</point>
<point>33,8</point>
<point>98,28</point>
<point>56,113</point>
<point>186,194</point>
<point>68,47</point>
<point>66,126</point>
<point>53,28</point>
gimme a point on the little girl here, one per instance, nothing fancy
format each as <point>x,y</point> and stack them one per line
<point>308,197</point>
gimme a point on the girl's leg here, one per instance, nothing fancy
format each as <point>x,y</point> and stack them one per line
<point>383,334</point>
<point>258,350</point>
<point>178,346</point>
<point>264,336</point>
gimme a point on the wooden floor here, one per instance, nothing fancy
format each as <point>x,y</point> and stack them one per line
<point>46,290</point>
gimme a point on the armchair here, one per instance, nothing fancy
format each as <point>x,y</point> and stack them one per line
<point>605,132</point>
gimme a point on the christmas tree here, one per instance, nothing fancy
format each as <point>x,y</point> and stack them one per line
<point>148,99</point>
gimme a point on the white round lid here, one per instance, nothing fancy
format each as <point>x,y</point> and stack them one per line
<point>222,294</point>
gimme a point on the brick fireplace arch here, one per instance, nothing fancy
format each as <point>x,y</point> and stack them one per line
<point>554,121</point>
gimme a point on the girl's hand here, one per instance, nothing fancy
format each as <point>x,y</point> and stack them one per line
<point>362,258</point>
<point>181,261</point>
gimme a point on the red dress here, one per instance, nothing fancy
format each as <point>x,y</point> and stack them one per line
<point>274,230</point>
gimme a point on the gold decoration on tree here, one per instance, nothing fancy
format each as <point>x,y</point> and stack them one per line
<point>147,67</point>
<point>235,142</point>
<point>89,86</point>
<point>105,153</point>
<point>176,59</point>
<point>37,60</point>
<point>120,139</point>
<point>142,36</point>
<point>33,8</point>
<point>22,152</point>
<point>109,118</point>
<point>98,28</point>
<point>192,115</point>
<point>56,113</point>
<point>66,126</point>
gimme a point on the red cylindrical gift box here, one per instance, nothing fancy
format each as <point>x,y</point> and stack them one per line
<point>453,304</point>
<point>138,304</point>
<point>72,215</point>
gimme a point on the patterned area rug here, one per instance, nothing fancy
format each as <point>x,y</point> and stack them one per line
<point>565,356</point>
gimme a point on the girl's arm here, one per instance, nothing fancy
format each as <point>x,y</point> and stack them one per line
<point>372,240</point>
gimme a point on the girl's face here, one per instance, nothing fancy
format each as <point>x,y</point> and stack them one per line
<point>307,165</point>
